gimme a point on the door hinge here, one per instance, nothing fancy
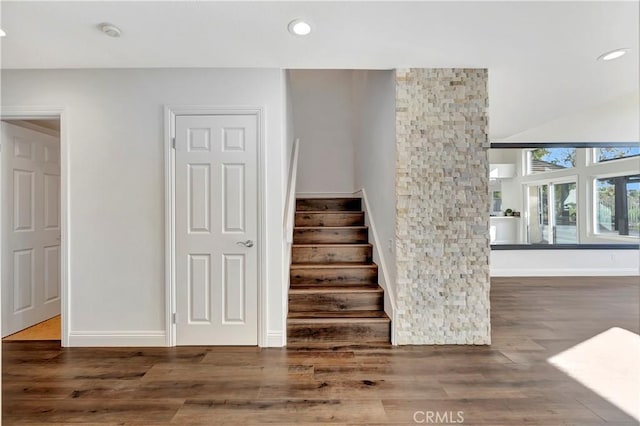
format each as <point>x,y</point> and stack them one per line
<point>174,318</point>
<point>173,143</point>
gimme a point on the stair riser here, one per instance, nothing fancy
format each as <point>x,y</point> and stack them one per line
<point>301,334</point>
<point>331,254</point>
<point>342,204</point>
<point>334,275</point>
<point>330,219</point>
<point>336,302</point>
<point>330,236</point>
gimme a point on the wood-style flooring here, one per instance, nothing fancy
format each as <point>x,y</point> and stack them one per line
<point>46,330</point>
<point>508,383</point>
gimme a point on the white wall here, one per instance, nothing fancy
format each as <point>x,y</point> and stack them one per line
<point>116,130</point>
<point>614,121</point>
<point>374,136</point>
<point>321,102</point>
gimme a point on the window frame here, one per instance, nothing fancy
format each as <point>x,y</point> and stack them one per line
<point>593,241</point>
<point>594,154</point>
<point>550,182</point>
<point>594,208</point>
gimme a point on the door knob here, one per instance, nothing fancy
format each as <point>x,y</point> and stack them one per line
<point>247,243</point>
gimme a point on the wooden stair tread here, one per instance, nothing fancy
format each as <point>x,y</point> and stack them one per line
<point>332,228</point>
<point>330,204</point>
<point>329,211</point>
<point>326,245</point>
<point>333,265</point>
<point>334,345</point>
<point>326,198</point>
<point>329,284</point>
<point>337,317</point>
<point>300,289</point>
<point>334,296</point>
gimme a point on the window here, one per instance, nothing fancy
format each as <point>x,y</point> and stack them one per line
<point>544,160</point>
<point>552,213</point>
<point>496,202</point>
<point>615,153</point>
<point>617,204</point>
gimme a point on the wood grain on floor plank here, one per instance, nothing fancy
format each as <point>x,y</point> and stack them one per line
<point>507,383</point>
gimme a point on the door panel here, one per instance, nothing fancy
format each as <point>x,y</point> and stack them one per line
<point>234,285</point>
<point>23,266</point>
<point>216,214</point>
<point>24,184</point>
<point>51,202</point>
<point>199,198</point>
<point>199,286</point>
<point>30,228</point>
<point>51,274</point>
<point>233,189</point>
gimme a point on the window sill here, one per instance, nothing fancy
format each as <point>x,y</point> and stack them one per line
<point>565,246</point>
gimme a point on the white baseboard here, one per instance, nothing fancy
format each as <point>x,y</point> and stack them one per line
<point>117,338</point>
<point>577,272</point>
<point>325,195</point>
<point>275,339</point>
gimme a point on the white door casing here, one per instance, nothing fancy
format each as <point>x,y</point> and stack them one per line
<point>31,231</point>
<point>216,229</point>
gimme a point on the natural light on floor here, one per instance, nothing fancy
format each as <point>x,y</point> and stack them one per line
<point>609,365</point>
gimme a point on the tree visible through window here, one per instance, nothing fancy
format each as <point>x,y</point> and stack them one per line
<point>616,153</point>
<point>543,160</point>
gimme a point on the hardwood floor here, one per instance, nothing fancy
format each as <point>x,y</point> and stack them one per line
<point>46,330</point>
<point>508,383</point>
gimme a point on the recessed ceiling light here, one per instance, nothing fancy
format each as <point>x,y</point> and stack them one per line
<point>299,27</point>
<point>614,54</point>
<point>2,33</point>
<point>110,30</point>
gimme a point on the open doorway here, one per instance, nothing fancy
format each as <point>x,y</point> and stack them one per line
<point>31,228</point>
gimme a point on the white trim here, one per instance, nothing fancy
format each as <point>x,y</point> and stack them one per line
<point>275,339</point>
<point>171,111</point>
<point>39,112</point>
<point>383,279</point>
<point>325,194</point>
<point>117,338</point>
<point>289,224</point>
<point>551,272</point>
<point>290,202</point>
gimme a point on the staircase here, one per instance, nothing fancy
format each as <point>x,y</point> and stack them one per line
<point>334,299</point>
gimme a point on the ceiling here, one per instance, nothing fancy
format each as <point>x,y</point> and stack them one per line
<point>540,55</point>
<point>52,124</point>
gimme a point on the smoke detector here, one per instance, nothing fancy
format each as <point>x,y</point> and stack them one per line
<point>110,30</point>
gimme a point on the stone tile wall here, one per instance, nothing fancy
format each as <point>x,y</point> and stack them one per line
<point>442,228</point>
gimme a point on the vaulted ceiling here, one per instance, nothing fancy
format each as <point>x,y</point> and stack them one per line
<point>541,55</point>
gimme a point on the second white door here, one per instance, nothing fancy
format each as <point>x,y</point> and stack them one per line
<point>216,228</point>
<point>30,228</point>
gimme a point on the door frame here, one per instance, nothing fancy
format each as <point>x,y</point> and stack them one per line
<point>171,112</point>
<point>59,112</point>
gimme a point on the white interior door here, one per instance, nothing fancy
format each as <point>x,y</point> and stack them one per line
<point>30,228</point>
<point>216,228</point>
